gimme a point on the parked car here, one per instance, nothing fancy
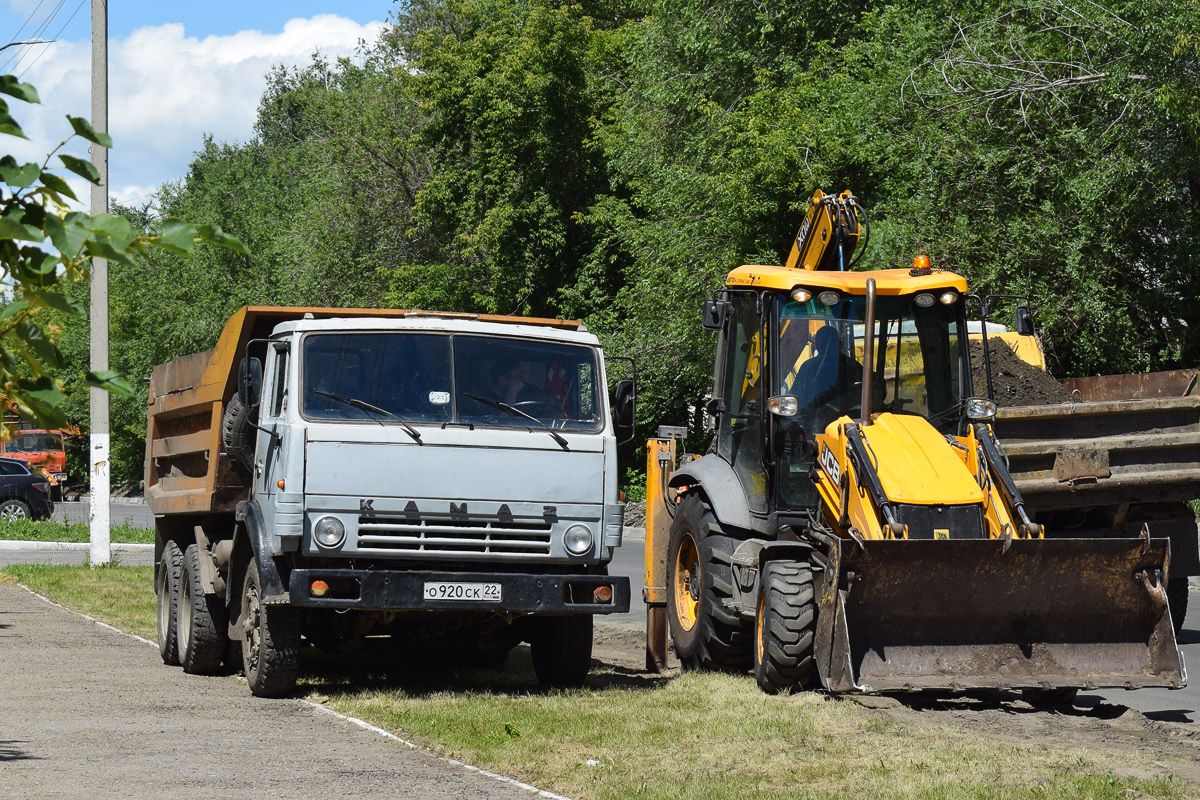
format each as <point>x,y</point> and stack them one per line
<point>23,494</point>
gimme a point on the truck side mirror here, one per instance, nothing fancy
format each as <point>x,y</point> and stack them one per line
<point>1024,321</point>
<point>250,380</point>
<point>715,314</point>
<point>624,403</point>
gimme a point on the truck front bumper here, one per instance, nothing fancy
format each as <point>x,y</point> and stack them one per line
<point>401,590</point>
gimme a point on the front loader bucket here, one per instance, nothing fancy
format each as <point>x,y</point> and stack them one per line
<point>937,614</point>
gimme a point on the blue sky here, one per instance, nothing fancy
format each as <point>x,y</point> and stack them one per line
<point>177,71</point>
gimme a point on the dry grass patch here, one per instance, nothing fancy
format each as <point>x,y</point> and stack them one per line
<point>707,736</point>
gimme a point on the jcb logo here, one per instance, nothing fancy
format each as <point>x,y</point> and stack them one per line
<point>830,463</point>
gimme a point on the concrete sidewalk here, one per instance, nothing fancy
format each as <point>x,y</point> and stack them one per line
<point>89,712</point>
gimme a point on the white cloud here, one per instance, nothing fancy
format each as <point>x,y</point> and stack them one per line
<point>166,90</point>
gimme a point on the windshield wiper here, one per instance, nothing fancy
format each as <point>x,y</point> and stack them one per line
<point>516,412</point>
<point>363,405</point>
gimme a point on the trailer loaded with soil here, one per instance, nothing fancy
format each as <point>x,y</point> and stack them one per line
<point>1111,455</point>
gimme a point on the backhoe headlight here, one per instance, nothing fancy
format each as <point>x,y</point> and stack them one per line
<point>829,298</point>
<point>329,531</point>
<point>949,298</point>
<point>783,405</point>
<point>980,409</point>
<point>578,540</point>
<point>801,295</point>
<point>924,300</point>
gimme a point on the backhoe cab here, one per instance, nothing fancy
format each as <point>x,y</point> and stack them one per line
<point>853,525</point>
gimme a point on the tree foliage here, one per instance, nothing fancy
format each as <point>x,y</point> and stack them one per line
<point>614,159</point>
<point>46,252</point>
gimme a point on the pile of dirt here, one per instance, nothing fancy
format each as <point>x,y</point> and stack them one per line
<point>635,514</point>
<point>1016,382</point>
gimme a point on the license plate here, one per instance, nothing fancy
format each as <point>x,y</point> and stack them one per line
<point>445,590</point>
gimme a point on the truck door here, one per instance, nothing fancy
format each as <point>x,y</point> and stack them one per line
<point>270,460</point>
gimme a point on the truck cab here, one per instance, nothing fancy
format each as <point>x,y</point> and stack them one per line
<point>414,483</point>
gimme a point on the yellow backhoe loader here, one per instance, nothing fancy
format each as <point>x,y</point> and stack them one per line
<point>854,526</point>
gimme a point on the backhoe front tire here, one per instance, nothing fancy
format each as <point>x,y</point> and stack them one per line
<point>271,645</point>
<point>200,620</point>
<point>784,629</point>
<point>706,632</point>
<point>167,579</point>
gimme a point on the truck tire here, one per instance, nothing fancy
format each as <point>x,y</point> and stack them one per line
<point>271,645</point>
<point>707,633</point>
<point>1177,601</point>
<point>785,626</point>
<point>166,590</point>
<point>200,621</point>
<point>561,648</point>
<point>237,434</point>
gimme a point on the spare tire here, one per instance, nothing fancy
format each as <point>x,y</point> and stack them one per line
<point>237,432</point>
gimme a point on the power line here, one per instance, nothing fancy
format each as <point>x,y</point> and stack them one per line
<point>60,30</point>
<point>38,33</point>
<point>17,35</point>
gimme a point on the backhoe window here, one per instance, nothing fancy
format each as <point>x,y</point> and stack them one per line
<point>917,370</point>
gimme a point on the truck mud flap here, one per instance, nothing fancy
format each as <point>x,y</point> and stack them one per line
<point>958,615</point>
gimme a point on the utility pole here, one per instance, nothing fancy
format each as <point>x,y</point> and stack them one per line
<point>101,545</point>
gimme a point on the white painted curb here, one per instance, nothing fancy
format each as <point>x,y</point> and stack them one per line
<point>117,547</point>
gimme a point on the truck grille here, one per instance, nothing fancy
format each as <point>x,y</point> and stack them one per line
<point>445,533</point>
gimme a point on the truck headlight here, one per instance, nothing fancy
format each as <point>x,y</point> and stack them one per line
<point>329,531</point>
<point>578,540</point>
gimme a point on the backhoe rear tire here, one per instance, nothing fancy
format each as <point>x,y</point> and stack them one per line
<point>784,628</point>
<point>1177,601</point>
<point>707,633</point>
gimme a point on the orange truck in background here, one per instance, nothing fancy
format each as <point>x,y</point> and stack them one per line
<point>40,449</point>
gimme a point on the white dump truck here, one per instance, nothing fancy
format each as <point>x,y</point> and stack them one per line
<point>432,486</point>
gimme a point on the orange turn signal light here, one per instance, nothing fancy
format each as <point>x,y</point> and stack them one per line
<point>603,594</point>
<point>318,588</point>
<point>279,483</point>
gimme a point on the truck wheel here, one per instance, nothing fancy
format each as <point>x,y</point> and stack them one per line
<point>271,646</point>
<point>707,634</point>
<point>166,590</point>
<point>784,628</point>
<point>562,650</point>
<point>1177,601</point>
<point>200,621</point>
<point>236,433</point>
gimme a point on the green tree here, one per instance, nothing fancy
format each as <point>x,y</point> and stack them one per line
<point>45,249</point>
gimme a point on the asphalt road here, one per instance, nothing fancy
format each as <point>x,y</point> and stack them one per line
<point>1182,705</point>
<point>136,515</point>
<point>89,712</point>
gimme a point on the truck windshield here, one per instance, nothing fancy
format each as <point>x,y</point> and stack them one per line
<point>36,442</point>
<point>426,378</point>
<point>917,359</point>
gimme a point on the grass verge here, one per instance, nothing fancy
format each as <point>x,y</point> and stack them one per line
<point>27,530</point>
<point>696,736</point>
